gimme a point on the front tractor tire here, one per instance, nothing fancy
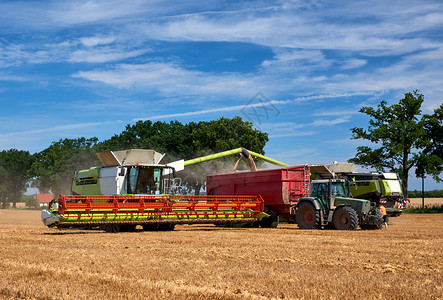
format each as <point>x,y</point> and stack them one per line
<point>307,217</point>
<point>374,220</point>
<point>345,218</point>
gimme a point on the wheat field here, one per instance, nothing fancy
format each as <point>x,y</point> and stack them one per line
<point>417,202</point>
<point>208,262</point>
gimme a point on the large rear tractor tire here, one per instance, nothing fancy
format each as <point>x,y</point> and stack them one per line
<point>307,217</point>
<point>345,218</point>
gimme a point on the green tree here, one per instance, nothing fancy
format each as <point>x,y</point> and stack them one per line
<point>14,165</point>
<point>172,138</point>
<point>399,132</point>
<point>431,160</point>
<point>54,167</point>
<point>31,201</point>
<point>188,141</point>
<point>217,136</point>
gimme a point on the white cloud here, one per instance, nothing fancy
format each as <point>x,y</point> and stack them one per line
<point>12,77</point>
<point>373,27</point>
<point>54,129</point>
<point>291,134</point>
<point>342,112</point>
<point>59,14</point>
<point>336,121</point>
<point>88,49</point>
<point>172,79</point>
<point>353,63</point>
<point>97,40</point>
<point>305,29</point>
<point>102,55</point>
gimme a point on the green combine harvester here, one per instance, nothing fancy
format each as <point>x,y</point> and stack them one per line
<point>378,187</point>
<point>133,188</point>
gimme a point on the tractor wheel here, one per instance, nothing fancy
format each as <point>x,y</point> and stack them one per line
<point>271,221</point>
<point>375,220</point>
<point>345,218</point>
<point>307,217</point>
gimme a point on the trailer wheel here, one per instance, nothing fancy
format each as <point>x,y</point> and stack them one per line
<point>307,217</point>
<point>345,218</point>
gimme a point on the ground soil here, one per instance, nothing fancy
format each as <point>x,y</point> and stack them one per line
<point>207,262</point>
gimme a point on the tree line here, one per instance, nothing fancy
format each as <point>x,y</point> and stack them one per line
<point>427,194</point>
<point>401,138</point>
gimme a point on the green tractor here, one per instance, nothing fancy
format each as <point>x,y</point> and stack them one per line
<point>331,206</point>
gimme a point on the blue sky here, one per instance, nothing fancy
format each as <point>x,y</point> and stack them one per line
<point>87,68</point>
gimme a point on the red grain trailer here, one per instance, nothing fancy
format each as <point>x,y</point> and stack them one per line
<point>280,188</point>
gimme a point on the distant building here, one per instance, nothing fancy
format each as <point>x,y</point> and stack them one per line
<point>44,198</point>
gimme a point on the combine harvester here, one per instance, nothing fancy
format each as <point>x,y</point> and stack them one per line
<point>132,188</point>
<point>378,187</point>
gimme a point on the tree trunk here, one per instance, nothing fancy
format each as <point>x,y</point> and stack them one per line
<point>405,188</point>
<point>4,203</point>
<point>197,188</point>
<point>405,173</point>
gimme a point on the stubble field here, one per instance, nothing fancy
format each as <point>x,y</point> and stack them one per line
<point>207,262</point>
<point>417,202</point>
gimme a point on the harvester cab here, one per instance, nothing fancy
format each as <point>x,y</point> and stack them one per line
<point>133,171</point>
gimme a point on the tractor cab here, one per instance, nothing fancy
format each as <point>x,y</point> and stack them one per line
<point>329,187</point>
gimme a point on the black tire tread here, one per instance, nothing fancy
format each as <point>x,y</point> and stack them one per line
<point>302,208</point>
<point>349,213</point>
